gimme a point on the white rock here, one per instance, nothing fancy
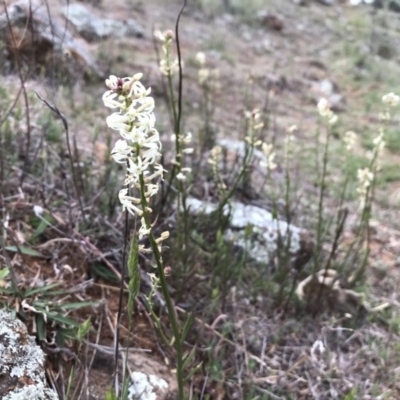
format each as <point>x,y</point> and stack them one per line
<point>22,374</point>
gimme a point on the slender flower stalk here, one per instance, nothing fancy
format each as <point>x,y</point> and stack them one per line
<point>209,83</point>
<point>329,119</point>
<point>139,149</point>
<point>179,172</point>
<point>253,126</point>
<point>367,181</point>
<point>168,68</point>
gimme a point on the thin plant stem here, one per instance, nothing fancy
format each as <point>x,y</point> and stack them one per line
<point>164,287</point>
<point>66,129</point>
<point>121,297</point>
<point>321,201</point>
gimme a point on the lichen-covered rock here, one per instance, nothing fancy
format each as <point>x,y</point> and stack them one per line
<point>22,374</point>
<point>47,43</point>
<point>267,232</point>
<point>93,28</point>
<point>145,387</point>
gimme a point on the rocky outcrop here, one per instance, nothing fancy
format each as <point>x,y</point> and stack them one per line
<point>268,235</point>
<point>22,374</point>
<point>93,28</point>
<point>30,33</point>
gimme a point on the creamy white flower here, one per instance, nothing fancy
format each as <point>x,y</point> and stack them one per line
<point>147,120</point>
<point>136,167</point>
<point>164,236</point>
<point>181,177</point>
<point>168,67</point>
<point>144,250</point>
<point>268,163</point>
<point>365,178</point>
<point>128,203</point>
<point>159,35</point>
<point>292,129</point>
<point>326,112</point>
<point>188,138</point>
<point>143,230</point>
<point>216,151</point>
<point>204,74</point>
<point>113,100</point>
<point>384,116</point>
<point>158,172</point>
<point>365,175</point>
<point>323,107</point>
<point>164,36</point>
<point>332,119</point>
<point>113,82</point>
<point>139,147</point>
<point>349,140</point>
<point>151,190</point>
<point>267,148</point>
<point>390,99</point>
<point>121,151</point>
<point>379,143</point>
<point>151,154</point>
<point>38,211</point>
<point>201,58</point>
<point>137,135</point>
<point>118,122</point>
<point>141,105</point>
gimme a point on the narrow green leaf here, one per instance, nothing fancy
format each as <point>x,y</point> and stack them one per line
<point>61,319</point>
<point>220,238</point>
<point>110,395</point>
<point>24,250</point>
<point>40,326</point>
<point>83,329</point>
<point>189,358</point>
<point>193,371</point>
<point>4,272</point>
<point>7,290</point>
<point>125,389</point>
<point>75,306</point>
<point>101,271</point>
<point>42,223</point>
<point>134,273</point>
<point>43,289</point>
<point>186,327</point>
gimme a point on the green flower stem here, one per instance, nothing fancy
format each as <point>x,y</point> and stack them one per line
<point>248,156</point>
<point>321,200</point>
<point>176,126</point>
<point>285,268</point>
<point>164,287</point>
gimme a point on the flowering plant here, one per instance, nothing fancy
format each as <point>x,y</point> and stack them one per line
<point>139,147</point>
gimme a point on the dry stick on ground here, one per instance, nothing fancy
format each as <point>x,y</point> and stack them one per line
<point>66,129</point>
